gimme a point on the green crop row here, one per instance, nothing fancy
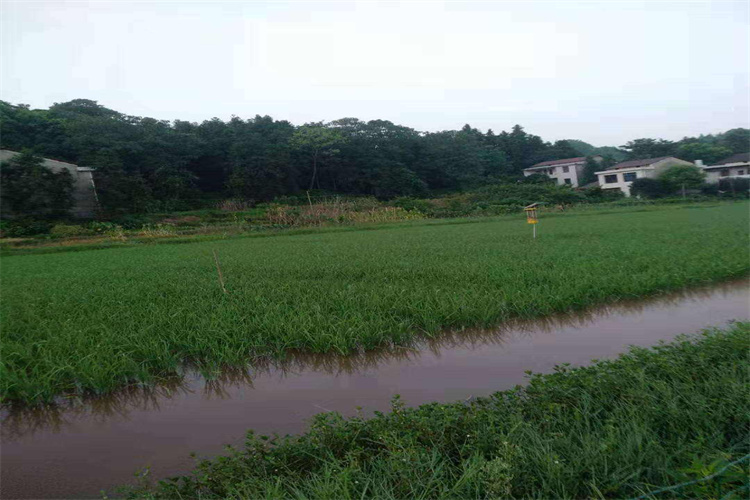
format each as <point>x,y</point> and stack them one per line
<point>671,418</point>
<point>94,321</point>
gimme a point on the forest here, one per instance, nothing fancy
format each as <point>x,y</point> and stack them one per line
<point>144,164</point>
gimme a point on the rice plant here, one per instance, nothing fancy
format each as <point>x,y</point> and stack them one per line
<point>670,419</point>
<point>94,321</point>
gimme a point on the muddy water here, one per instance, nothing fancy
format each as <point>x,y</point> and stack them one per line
<point>76,452</point>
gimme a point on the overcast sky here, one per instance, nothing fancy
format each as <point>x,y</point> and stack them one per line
<point>604,72</point>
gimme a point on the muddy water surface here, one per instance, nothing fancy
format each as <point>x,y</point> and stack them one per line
<point>76,452</point>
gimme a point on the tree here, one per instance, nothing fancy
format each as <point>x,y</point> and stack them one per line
<point>649,148</point>
<point>261,163</point>
<point>736,139</point>
<point>589,171</point>
<point>650,188</point>
<point>709,153</point>
<point>521,148</point>
<point>316,141</point>
<point>683,177</point>
<point>29,188</point>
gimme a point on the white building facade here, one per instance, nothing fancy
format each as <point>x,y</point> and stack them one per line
<point>567,171</point>
<point>736,166</point>
<point>622,175</point>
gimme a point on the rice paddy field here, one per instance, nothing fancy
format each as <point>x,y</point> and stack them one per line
<point>94,321</point>
<point>665,422</point>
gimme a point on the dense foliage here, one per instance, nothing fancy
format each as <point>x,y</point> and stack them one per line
<point>657,417</point>
<point>28,188</point>
<point>709,148</point>
<point>143,164</point>
<point>93,321</point>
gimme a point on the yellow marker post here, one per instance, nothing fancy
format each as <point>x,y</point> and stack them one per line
<point>532,215</point>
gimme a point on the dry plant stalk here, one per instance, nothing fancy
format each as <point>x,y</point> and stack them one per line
<point>218,269</point>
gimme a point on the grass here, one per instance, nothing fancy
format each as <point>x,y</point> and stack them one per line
<point>652,418</point>
<point>204,225</point>
<point>94,321</point>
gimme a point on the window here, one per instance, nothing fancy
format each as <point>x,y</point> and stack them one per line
<point>610,179</point>
<point>552,171</point>
<point>566,170</point>
<point>567,181</point>
<point>740,172</point>
<point>724,173</point>
<point>629,177</point>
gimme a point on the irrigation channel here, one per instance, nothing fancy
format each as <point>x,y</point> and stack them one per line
<point>76,451</point>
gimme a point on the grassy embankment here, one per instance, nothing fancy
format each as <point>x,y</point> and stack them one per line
<point>273,218</point>
<point>617,429</point>
<point>93,321</point>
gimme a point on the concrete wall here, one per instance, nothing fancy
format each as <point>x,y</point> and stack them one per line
<point>718,172</point>
<point>648,171</point>
<point>84,190</point>
<point>558,173</point>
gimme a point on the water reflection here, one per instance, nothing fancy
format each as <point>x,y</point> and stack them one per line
<point>18,422</point>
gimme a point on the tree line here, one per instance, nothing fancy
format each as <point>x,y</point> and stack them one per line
<point>145,164</point>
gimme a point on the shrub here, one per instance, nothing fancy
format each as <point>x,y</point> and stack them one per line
<point>736,186</point>
<point>24,227</point>
<point>235,205</point>
<point>133,221</point>
<point>599,194</point>
<point>158,230</point>
<point>352,211</point>
<point>68,230</point>
<point>27,186</point>
<point>650,188</point>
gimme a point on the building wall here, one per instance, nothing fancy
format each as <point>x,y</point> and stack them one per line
<point>557,172</point>
<point>84,190</point>
<point>716,173</point>
<point>648,171</point>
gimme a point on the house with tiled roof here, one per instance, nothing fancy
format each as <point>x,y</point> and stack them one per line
<point>566,171</point>
<point>622,175</point>
<point>732,167</point>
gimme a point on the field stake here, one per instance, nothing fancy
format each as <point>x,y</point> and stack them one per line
<point>218,269</point>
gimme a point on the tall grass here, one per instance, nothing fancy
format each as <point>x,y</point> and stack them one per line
<point>651,419</point>
<point>93,321</point>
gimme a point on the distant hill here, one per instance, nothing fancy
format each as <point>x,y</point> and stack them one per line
<point>586,149</point>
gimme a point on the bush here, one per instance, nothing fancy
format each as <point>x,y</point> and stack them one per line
<point>650,188</point>
<point>537,179</point>
<point>597,194</point>
<point>131,221</point>
<point>27,187</point>
<point>158,230</point>
<point>24,227</point>
<point>68,230</point>
<point>736,186</point>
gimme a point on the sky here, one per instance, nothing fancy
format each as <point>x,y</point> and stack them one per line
<point>601,71</point>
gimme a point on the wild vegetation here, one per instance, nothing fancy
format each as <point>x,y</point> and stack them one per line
<point>94,321</point>
<point>672,418</point>
<point>144,165</point>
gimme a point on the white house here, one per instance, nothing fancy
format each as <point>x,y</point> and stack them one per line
<point>84,190</point>
<point>735,166</point>
<point>622,175</point>
<point>566,171</point>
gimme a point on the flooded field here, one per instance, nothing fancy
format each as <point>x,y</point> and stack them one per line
<point>99,444</point>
